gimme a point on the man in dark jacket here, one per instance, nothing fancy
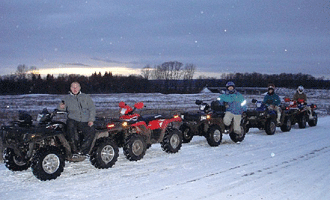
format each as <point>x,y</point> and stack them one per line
<point>273,100</point>
<point>81,117</point>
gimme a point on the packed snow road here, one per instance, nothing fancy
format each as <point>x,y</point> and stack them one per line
<point>290,165</point>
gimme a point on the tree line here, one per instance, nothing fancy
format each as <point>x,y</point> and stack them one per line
<point>169,77</point>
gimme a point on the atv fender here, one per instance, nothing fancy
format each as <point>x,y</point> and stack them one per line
<point>66,145</point>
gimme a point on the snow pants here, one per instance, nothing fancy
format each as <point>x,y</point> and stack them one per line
<point>278,110</point>
<point>88,133</point>
<point>237,121</point>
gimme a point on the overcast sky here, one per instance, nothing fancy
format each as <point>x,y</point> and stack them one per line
<point>264,36</point>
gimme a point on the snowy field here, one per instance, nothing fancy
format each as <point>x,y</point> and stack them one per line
<point>290,165</point>
<point>107,104</point>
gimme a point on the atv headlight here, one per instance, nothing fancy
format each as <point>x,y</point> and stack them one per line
<point>124,124</point>
<point>110,126</point>
<point>182,116</point>
<point>243,103</point>
<point>203,117</point>
<point>28,137</point>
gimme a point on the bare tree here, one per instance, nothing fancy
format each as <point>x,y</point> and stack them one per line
<point>189,71</point>
<point>146,72</point>
<point>21,71</point>
<point>169,71</point>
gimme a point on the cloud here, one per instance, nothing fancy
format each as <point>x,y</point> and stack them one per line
<point>272,36</point>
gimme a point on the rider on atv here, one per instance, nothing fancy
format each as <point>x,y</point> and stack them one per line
<point>301,96</point>
<point>275,101</point>
<point>235,106</point>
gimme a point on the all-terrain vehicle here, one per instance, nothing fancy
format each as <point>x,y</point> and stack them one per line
<point>135,132</point>
<point>208,122</point>
<point>44,147</point>
<point>264,117</point>
<point>300,114</point>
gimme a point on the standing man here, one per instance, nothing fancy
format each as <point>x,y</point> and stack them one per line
<point>235,106</point>
<point>273,100</point>
<point>81,117</point>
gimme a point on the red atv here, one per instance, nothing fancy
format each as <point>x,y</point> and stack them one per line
<point>136,133</point>
<point>299,110</point>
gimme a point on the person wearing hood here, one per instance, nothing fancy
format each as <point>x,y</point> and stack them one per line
<point>235,106</point>
<point>273,100</point>
<point>81,117</point>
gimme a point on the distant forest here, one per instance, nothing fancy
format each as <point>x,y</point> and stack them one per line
<point>97,83</point>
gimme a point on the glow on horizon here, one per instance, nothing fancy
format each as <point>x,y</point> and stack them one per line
<point>88,71</point>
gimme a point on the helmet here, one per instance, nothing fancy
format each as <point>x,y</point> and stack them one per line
<point>271,86</point>
<point>300,89</point>
<point>230,83</point>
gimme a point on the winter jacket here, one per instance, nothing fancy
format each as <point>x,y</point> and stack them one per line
<point>80,107</point>
<point>297,96</point>
<point>235,102</point>
<point>274,97</point>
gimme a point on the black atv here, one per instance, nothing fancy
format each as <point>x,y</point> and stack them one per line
<point>44,147</point>
<point>208,122</point>
<point>264,117</point>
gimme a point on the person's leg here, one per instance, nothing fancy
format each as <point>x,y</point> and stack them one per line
<point>309,111</point>
<point>237,124</point>
<point>278,110</point>
<point>228,118</point>
<point>89,134</point>
<point>71,134</point>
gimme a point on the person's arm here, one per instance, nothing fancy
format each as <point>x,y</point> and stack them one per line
<point>92,110</point>
<point>61,106</point>
<point>277,100</point>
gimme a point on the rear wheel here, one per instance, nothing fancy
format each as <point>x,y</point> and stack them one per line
<point>270,127</point>
<point>135,147</point>
<point>48,163</point>
<point>214,136</point>
<point>313,122</point>
<point>172,141</point>
<point>286,125</point>
<point>13,162</point>
<point>187,134</point>
<point>302,121</point>
<point>104,154</point>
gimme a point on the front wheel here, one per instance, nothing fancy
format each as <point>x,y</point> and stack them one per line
<point>270,127</point>
<point>302,121</point>
<point>214,136</point>
<point>135,147</point>
<point>187,134</point>
<point>13,162</point>
<point>48,163</point>
<point>286,125</point>
<point>237,137</point>
<point>172,141</point>
<point>104,154</point>
<point>313,122</point>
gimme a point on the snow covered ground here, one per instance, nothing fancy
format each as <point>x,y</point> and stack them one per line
<point>290,165</point>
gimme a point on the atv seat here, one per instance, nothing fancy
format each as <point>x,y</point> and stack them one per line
<point>191,116</point>
<point>148,118</point>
